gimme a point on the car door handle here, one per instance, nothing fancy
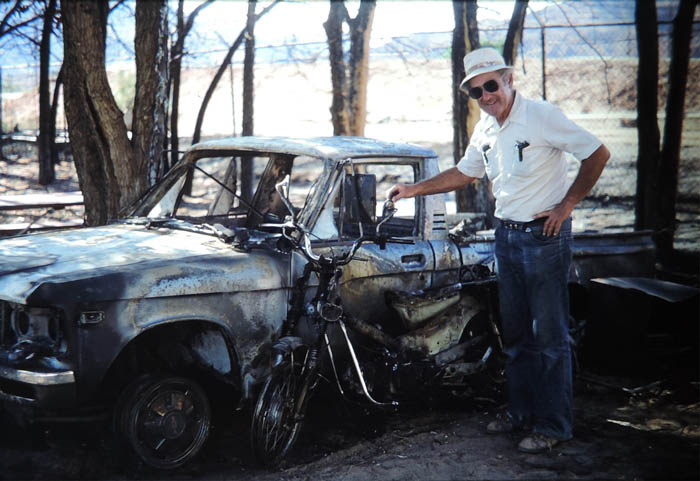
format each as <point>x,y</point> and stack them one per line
<point>414,260</point>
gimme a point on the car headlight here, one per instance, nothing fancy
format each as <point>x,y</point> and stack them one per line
<point>23,323</point>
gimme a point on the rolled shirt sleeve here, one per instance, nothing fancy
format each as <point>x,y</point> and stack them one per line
<point>563,134</point>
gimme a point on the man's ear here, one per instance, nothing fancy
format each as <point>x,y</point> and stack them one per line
<point>509,79</point>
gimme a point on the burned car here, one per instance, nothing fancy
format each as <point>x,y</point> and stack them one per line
<point>157,315</point>
<point>153,312</point>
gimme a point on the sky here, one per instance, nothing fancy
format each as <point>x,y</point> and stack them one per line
<point>291,21</point>
<point>297,21</point>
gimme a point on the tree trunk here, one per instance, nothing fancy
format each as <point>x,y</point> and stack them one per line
<point>2,141</point>
<point>360,29</point>
<point>340,115</point>
<point>151,97</point>
<point>349,104</point>
<point>113,171</point>
<point>97,131</point>
<point>175,70</point>
<point>248,100</point>
<point>474,197</point>
<point>183,29</point>
<point>515,32</point>
<point>485,201</point>
<point>46,142</point>
<point>648,138</point>
<point>54,113</point>
<point>673,126</point>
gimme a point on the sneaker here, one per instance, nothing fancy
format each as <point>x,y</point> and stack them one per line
<point>502,424</point>
<point>537,443</point>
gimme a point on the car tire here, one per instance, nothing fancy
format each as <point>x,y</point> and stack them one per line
<point>162,421</point>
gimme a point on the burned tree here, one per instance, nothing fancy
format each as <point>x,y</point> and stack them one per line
<point>515,32</point>
<point>113,170</point>
<point>465,111</point>
<point>17,19</point>
<point>648,136</point>
<point>476,196</point>
<point>349,105</point>
<point>177,51</point>
<point>220,72</point>
<point>248,111</point>
<point>248,100</point>
<point>46,120</point>
<point>657,182</point>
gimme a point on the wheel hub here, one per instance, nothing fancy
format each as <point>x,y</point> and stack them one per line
<point>174,424</point>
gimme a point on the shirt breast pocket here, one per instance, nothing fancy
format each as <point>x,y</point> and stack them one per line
<point>526,158</point>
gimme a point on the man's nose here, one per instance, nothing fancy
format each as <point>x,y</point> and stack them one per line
<point>486,96</point>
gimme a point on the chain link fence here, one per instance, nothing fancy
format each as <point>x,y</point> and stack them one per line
<point>588,70</point>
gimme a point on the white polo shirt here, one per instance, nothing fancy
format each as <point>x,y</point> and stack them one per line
<point>524,158</point>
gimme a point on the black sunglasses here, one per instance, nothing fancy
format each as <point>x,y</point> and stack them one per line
<point>491,86</point>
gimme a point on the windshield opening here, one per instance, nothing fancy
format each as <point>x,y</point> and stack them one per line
<point>234,190</point>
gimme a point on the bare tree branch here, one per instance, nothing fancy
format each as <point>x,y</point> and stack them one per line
<point>220,72</point>
<point>15,28</point>
<point>121,42</point>
<point>193,15</point>
<point>8,16</point>
<point>116,5</point>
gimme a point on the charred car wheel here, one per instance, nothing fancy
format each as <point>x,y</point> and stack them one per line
<point>164,421</point>
<point>277,420</point>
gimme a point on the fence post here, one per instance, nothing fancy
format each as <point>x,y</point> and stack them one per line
<point>544,59</point>
<point>544,54</point>
<point>1,131</point>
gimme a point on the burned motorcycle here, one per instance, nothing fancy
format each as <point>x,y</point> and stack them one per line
<point>446,336</point>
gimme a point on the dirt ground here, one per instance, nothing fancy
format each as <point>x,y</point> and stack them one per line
<point>651,433</point>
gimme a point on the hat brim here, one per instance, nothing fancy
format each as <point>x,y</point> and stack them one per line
<point>477,72</point>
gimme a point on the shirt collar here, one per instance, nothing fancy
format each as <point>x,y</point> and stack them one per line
<point>517,112</point>
<point>516,115</point>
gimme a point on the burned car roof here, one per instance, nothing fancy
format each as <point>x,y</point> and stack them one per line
<point>333,148</point>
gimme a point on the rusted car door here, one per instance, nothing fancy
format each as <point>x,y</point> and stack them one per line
<point>376,269</point>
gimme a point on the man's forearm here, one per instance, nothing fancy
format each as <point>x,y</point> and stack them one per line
<point>447,181</point>
<point>588,175</point>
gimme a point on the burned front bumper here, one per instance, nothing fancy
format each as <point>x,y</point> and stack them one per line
<point>45,383</point>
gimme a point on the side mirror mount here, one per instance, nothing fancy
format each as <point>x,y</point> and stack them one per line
<point>388,211</point>
<point>282,189</point>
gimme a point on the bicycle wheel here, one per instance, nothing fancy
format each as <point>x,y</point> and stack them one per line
<point>279,410</point>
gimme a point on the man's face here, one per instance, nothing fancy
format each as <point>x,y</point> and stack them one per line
<point>494,103</point>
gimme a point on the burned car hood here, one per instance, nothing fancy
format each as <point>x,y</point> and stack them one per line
<point>130,261</point>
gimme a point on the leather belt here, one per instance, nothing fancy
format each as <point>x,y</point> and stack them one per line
<point>523,226</point>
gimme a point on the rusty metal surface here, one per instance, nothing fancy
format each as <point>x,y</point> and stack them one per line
<point>443,330</point>
<point>666,290</point>
<point>158,262</point>
<point>595,254</point>
<point>333,148</point>
<point>111,285</point>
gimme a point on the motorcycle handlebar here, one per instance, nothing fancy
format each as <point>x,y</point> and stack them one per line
<point>304,244</point>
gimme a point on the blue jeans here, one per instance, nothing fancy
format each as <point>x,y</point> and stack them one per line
<point>534,302</point>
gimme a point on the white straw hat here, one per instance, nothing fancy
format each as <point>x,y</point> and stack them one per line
<point>482,60</point>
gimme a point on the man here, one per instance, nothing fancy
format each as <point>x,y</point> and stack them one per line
<point>520,145</point>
